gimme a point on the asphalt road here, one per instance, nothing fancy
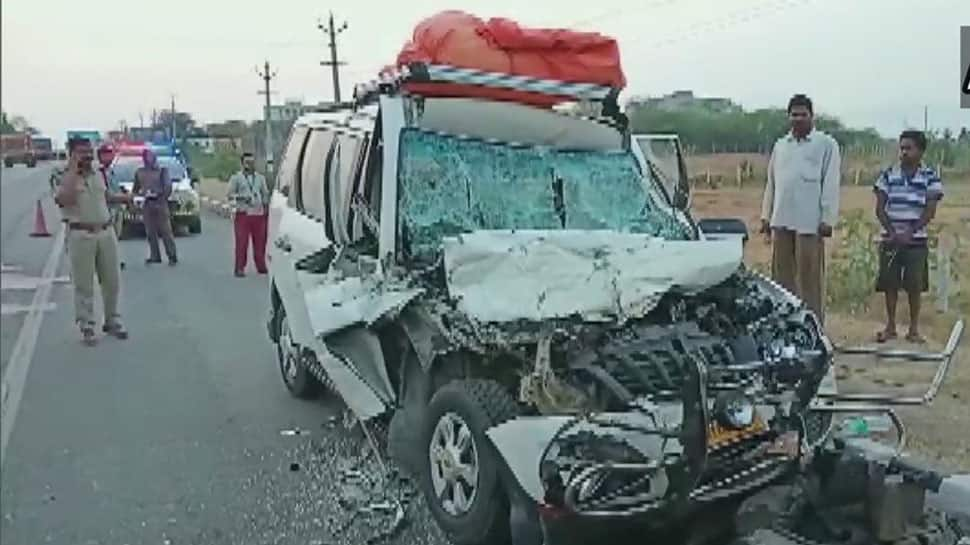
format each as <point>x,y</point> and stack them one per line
<point>183,434</point>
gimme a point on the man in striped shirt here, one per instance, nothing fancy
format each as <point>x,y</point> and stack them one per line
<point>906,199</point>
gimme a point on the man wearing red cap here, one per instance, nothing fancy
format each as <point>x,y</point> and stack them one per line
<point>106,155</point>
<point>152,182</point>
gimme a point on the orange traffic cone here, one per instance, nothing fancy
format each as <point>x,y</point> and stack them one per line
<point>40,226</point>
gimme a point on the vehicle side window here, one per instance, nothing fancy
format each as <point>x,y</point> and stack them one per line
<point>343,181</point>
<point>313,178</point>
<point>289,171</point>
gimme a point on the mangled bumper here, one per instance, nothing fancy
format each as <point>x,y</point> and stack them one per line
<point>623,465</point>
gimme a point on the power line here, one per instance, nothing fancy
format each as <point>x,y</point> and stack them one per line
<point>332,31</point>
<point>733,19</point>
<point>622,11</point>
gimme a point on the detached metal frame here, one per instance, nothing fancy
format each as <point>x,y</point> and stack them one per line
<point>886,403</point>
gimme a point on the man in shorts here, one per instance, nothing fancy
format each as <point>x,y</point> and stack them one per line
<point>906,198</point>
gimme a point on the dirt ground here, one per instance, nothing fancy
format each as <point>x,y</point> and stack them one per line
<point>213,188</point>
<point>940,432</point>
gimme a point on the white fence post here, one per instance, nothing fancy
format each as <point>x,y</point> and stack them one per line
<point>943,275</point>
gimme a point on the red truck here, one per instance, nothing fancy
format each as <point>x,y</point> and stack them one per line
<point>18,148</point>
<point>43,147</point>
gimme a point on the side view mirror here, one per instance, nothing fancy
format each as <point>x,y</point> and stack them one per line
<point>716,228</point>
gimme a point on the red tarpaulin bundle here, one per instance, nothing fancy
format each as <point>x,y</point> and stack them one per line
<point>459,39</point>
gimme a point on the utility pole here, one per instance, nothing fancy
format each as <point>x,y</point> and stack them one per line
<point>331,31</point>
<point>926,119</point>
<point>267,76</point>
<point>173,119</point>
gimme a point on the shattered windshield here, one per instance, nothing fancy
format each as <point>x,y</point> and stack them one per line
<point>452,185</point>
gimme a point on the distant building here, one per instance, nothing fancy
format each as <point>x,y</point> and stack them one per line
<point>212,144</point>
<point>684,99</point>
<point>292,109</point>
<point>227,129</point>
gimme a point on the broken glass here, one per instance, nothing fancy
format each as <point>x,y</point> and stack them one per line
<point>452,185</point>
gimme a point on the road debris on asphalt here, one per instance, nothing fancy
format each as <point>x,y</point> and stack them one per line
<point>347,492</point>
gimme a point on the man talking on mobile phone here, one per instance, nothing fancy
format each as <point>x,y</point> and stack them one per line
<point>84,198</point>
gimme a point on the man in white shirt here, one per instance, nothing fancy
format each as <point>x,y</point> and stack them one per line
<point>249,196</point>
<point>801,204</point>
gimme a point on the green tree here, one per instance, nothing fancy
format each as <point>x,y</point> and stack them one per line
<point>15,123</point>
<point>5,126</point>
<point>704,130</point>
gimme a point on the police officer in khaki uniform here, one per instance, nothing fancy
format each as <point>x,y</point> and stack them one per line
<point>84,199</point>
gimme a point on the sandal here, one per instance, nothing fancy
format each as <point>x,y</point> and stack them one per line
<point>916,338</point>
<point>88,337</point>
<point>115,329</point>
<point>885,335</point>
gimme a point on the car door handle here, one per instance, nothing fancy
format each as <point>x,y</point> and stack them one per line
<point>283,244</point>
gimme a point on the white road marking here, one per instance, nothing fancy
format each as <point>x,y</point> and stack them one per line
<point>7,309</point>
<point>17,281</point>
<point>15,375</point>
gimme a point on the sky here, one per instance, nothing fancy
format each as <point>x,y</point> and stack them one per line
<point>92,64</point>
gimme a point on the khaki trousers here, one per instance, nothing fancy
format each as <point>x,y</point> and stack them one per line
<point>90,254</point>
<point>158,222</point>
<point>798,264</point>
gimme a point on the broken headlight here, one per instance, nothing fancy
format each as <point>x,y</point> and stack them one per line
<point>734,410</point>
<point>586,473</point>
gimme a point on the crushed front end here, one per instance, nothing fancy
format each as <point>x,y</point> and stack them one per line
<point>701,401</point>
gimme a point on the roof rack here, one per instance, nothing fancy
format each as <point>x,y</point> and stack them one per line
<point>442,73</point>
<point>330,108</point>
<point>391,81</point>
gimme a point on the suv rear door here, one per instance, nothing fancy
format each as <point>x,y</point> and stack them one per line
<point>316,225</point>
<point>297,232</point>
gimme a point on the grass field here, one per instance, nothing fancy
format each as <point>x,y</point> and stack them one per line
<point>940,432</point>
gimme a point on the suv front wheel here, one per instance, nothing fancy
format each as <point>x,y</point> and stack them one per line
<point>294,361</point>
<point>461,481</point>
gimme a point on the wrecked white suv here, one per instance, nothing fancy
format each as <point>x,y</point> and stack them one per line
<point>556,348</point>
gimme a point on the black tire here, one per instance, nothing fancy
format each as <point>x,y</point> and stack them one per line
<point>297,378</point>
<point>478,404</point>
<point>195,225</point>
